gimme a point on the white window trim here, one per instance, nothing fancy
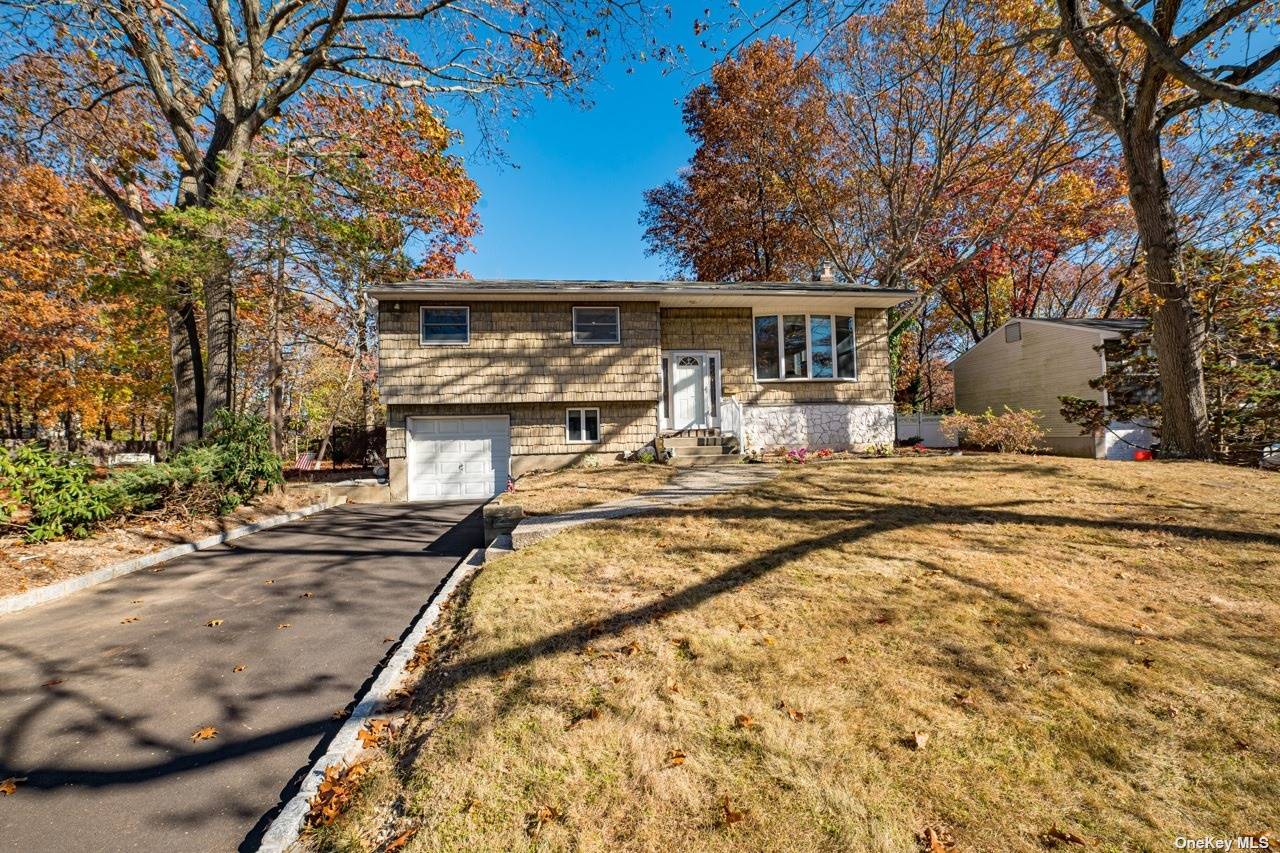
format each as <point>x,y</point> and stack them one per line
<point>573,325</point>
<point>582,410</point>
<point>808,349</point>
<point>422,340</point>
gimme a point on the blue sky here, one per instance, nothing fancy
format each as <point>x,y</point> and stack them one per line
<point>566,205</point>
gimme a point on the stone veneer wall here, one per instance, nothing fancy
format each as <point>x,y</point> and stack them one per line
<point>729,330</point>
<point>538,428</point>
<point>838,426</point>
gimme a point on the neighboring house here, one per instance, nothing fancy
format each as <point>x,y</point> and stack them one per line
<point>485,379</point>
<point>1029,364</point>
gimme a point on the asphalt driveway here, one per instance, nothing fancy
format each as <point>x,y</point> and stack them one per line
<point>101,692</point>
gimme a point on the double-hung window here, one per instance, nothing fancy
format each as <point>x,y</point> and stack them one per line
<point>805,346</point>
<point>582,426</point>
<point>596,326</point>
<point>445,324</point>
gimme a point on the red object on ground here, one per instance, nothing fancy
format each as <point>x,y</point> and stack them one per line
<point>1141,455</point>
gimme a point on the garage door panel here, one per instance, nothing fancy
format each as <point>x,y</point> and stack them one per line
<point>462,458</point>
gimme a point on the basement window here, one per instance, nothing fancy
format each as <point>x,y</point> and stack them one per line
<point>582,426</point>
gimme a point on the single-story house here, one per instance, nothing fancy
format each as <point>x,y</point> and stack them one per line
<point>1030,363</point>
<point>488,379</point>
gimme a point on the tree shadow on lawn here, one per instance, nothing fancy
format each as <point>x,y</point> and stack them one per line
<point>864,521</point>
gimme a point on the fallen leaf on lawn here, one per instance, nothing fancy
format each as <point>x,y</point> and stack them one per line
<point>213,623</point>
<point>377,730</point>
<point>284,625</point>
<point>743,721</point>
<point>937,841</point>
<point>307,595</point>
<point>964,700</point>
<point>673,687</point>
<point>842,659</point>
<point>10,785</point>
<point>730,816</point>
<point>794,713</point>
<point>52,682</point>
<point>631,648</point>
<point>1022,667</point>
<point>129,619</point>
<point>675,757</point>
<point>400,840</point>
<point>535,820</point>
<point>1148,662</point>
<point>205,733</point>
<point>884,619</point>
<point>1058,836</point>
<point>1139,641</point>
<point>335,792</point>
<point>919,739</point>
<point>582,716</point>
<point>767,640</point>
<point>237,668</point>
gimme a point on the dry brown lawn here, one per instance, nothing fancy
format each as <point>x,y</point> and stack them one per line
<point>568,489</point>
<point>997,648</point>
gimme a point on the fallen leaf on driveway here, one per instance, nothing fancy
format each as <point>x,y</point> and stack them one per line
<point>340,714</point>
<point>205,733</point>
<point>284,625</point>
<point>237,668</point>
<point>136,601</point>
<point>8,786</point>
<point>213,623</point>
<point>129,620</point>
<point>307,595</point>
<point>52,682</point>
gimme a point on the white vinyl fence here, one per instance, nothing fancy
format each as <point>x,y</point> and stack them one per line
<point>925,427</point>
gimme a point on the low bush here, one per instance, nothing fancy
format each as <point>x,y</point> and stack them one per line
<point>1013,431</point>
<point>48,494</point>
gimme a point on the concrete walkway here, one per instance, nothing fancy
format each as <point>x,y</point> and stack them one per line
<point>692,484</point>
<point>101,692</point>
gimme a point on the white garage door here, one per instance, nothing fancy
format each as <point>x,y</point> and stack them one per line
<point>457,459</point>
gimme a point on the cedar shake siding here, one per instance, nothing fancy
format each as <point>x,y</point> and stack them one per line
<point>539,428</point>
<point>519,353</point>
<point>730,330</point>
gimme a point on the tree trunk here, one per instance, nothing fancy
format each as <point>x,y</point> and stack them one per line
<point>275,362</point>
<point>220,328</point>
<point>188,377</point>
<point>1177,329</point>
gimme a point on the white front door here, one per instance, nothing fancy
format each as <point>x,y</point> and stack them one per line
<point>688,391</point>
<point>457,459</point>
